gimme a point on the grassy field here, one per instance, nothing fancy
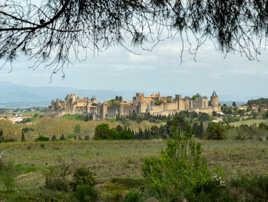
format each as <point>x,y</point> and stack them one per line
<point>109,159</point>
<point>248,122</point>
<point>58,126</point>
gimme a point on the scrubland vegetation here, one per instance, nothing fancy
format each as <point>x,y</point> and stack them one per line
<point>62,159</point>
<point>117,166</point>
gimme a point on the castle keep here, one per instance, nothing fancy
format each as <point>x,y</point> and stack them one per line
<point>153,104</point>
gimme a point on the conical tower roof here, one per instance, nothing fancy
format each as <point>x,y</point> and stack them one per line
<point>214,94</point>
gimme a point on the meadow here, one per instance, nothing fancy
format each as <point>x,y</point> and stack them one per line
<point>123,159</point>
<point>248,122</point>
<point>117,165</point>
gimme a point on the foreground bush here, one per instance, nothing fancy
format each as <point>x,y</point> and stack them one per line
<point>83,185</point>
<point>85,193</point>
<point>181,173</point>
<point>7,176</point>
<point>83,176</point>
<point>135,196</point>
<point>255,188</point>
<point>56,178</point>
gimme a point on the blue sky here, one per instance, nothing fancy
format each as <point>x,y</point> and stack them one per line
<point>234,77</point>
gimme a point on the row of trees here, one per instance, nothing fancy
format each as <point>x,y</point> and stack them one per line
<point>178,123</point>
<point>103,132</point>
<point>204,130</point>
<point>159,118</point>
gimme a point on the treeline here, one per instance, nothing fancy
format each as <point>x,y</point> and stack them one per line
<point>133,116</point>
<point>245,132</point>
<point>202,130</point>
<point>103,131</point>
<point>260,101</point>
<point>78,117</point>
<point>159,118</point>
<point>198,129</point>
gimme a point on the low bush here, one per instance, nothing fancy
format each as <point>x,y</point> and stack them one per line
<point>181,173</point>
<point>86,193</point>
<point>255,188</point>
<point>9,140</point>
<point>70,136</point>
<point>7,175</point>
<point>83,176</point>
<point>134,196</point>
<point>245,132</point>
<point>215,131</point>
<point>83,185</point>
<point>53,138</point>
<point>42,139</point>
<point>57,177</point>
<point>62,137</point>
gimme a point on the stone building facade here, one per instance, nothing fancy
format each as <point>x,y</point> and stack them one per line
<point>74,105</point>
<point>153,104</point>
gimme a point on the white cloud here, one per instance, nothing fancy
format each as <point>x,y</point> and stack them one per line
<point>160,69</point>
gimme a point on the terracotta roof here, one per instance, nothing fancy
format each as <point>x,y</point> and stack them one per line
<point>125,103</point>
<point>82,100</point>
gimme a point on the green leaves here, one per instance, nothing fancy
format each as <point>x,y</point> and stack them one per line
<point>180,172</point>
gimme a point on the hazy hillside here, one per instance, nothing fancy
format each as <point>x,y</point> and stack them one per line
<point>13,95</point>
<point>23,96</point>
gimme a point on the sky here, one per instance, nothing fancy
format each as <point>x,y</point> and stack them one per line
<point>233,77</point>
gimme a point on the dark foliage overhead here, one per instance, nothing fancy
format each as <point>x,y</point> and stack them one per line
<point>60,27</point>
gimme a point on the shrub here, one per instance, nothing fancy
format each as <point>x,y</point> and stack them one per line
<point>83,176</point>
<point>56,183</point>
<point>215,131</point>
<point>62,137</point>
<point>119,128</point>
<point>7,175</point>
<point>83,185</point>
<point>179,123</point>
<point>70,136</point>
<point>102,131</point>
<point>1,135</point>
<point>42,139</point>
<point>135,196</point>
<point>56,177</point>
<point>22,137</point>
<point>125,135</point>
<point>180,172</point>
<point>53,138</point>
<point>10,140</point>
<point>85,193</point>
<point>255,187</point>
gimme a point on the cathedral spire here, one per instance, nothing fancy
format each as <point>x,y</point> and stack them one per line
<point>214,94</point>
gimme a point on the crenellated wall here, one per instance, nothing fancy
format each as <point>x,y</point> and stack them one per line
<point>154,104</point>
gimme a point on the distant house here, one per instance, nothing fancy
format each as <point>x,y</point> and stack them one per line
<point>15,119</point>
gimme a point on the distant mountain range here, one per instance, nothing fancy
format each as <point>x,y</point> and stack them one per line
<point>18,96</point>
